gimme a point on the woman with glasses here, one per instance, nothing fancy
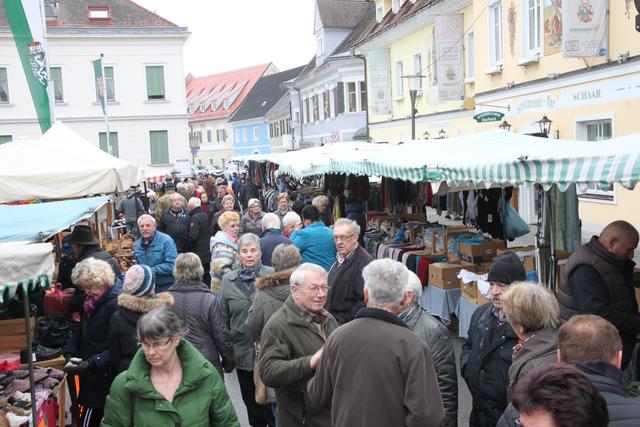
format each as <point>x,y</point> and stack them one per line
<point>236,296</point>
<point>168,382</point>
<point>224,249</point>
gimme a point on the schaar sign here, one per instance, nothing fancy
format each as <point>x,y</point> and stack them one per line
<point>488,116</point>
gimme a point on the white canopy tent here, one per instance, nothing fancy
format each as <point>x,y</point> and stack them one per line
<point>61,165</point>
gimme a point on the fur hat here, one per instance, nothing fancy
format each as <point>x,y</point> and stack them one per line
<point>138,281</point>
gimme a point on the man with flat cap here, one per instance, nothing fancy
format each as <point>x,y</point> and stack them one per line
<point>486,354</point>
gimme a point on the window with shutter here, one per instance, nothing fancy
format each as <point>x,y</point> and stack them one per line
<point>340,98</point>
<point>4,86</point>
<point>159,147</point>
<point>56,78</point>
<point>155,82</point>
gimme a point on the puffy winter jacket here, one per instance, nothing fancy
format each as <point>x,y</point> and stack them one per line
<point>315,242</point>
<point>484,364</point>
<point>199,309</point>
<point>201,399</point>
<point>123,343</point>
<point>91,343</point>
<point>271,292</point>
<point>224,258</point>
<point>160,255</point>
<point>176,225</point>
<point>251,224</point>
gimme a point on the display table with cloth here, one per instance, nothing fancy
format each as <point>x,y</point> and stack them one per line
<point>440,302</point>
<point>464,311</point>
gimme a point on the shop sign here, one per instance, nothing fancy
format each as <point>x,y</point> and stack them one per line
<point>488,116</point>
<point>601,92</point>
<point>534,104</point>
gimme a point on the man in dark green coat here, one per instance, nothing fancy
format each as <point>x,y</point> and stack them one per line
<point>290,348</point>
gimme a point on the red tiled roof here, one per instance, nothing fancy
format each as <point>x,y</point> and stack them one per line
<point>123,14</point>
<point>221,94</point>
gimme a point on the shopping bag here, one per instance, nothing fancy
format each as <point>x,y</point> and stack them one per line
<point>55,301</point>
<point>264,394</point>
<point>514,225</point>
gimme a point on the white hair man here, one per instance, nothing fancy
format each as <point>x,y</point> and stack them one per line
<point>345,275</point>
<point>157,251</point>
<point>290,347</point>
<point>322,204</point>
<point>374,371</point>
<point>433,333</point>
<point>271,236</point>
<point>291,222</point>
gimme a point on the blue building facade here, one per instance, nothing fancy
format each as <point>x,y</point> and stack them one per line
<point>250,137</point>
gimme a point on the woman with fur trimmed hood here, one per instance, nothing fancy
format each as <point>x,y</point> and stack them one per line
<point>138,298</point>
<point>272,290</point>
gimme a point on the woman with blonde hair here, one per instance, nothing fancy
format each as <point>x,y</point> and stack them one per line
<point>533,312</point>
<point>228,205</point>
<point>224,249</point>
<point>87,353</point>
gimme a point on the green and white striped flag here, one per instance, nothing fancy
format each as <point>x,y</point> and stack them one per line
<point>97,72</point>
<point>27,26</point>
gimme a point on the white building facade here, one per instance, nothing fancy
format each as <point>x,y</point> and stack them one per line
<point>144,69</point>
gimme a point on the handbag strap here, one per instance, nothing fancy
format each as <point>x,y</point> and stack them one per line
<point>132,409</point>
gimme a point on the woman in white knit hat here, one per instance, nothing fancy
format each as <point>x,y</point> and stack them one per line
<point>137,298</point>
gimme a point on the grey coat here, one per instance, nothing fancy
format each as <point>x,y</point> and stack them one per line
<point>437,337</point>
<point>539,350</point>
<point>199,309</point>
<point>271,292</point>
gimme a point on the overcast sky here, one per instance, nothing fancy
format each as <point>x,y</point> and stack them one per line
<point>231,34</point>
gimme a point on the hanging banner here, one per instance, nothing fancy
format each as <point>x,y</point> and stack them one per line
<point>379,81</point>
<point>97,72</point>
<point>552,26</point>
<point>584,28</point>
<point>27,27</point>
<point>449,56</point>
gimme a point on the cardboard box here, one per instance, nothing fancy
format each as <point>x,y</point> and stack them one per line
<point>528,261</point>
<point>440,238</point>
<point>481,299</point>
<point>444,275</point>
<point>469,290</point>
<point>452,243</point>
<point>481,253</point>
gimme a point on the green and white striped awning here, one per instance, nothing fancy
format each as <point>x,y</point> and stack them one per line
<point>481,160</point>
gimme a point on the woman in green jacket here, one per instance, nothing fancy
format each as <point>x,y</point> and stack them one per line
<point>236,296</point>
<point>168,383</point>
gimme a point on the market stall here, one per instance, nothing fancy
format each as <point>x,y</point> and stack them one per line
<point>61,165</point>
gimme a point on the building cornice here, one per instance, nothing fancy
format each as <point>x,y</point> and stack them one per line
<point>410,24</point>
<point>424,118</point>
<point>100,119</point>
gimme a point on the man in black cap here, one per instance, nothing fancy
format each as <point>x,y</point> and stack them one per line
<point>486,354</point>
<point>84,245</point>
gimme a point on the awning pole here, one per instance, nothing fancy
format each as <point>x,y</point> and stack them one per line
<point>27,320</point>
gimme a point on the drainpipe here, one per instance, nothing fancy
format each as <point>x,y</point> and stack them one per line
<point>301,113</point>
<point>366,85</point>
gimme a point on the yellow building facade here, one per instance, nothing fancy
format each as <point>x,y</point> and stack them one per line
<point>515,65</point>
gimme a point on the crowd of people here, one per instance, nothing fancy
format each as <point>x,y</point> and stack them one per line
<point>319,333</point>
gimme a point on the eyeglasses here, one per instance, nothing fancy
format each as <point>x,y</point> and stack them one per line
<point>316,289</point>
<point>154,346</point>
<point>339,238</point>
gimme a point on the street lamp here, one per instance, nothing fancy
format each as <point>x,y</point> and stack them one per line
<point>545,125</point>
<point>415,84</point>
<point>426,134</point>
<point>505,125</point>
<point>442,134</point>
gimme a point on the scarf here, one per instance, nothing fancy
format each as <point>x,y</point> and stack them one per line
<point>247,277</point>
<point>90,301</point>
